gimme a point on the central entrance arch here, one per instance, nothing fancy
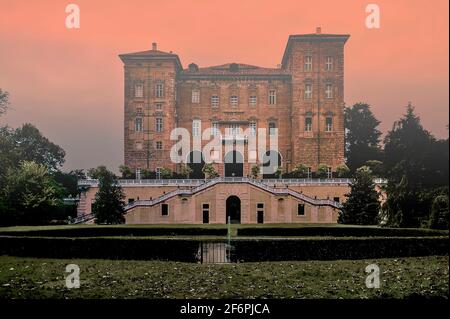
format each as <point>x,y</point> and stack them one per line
<point>234,164</point>
<point>233,210</point>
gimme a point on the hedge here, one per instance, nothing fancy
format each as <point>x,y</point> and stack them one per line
<point>339,231</point>
<point>247,250</point>
<point>105,231</point>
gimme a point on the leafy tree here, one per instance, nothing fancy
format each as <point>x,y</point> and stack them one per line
<point>209,171</point>
<point>322,171</point>
<point>376,167</point>
<point>4,101</point>
<point>362,136</point>
<point>95,173</point>
<point>185,170</point>
<point>166,173</point>
<point>30,193</point>
<point>33,146</point>
<point>127,172</point>
<point>109,199</point>
<point>279,172</point>
<point>300,171</point>
<point>254,173</point>
<point>439,212</point>
<point>362,206</point>
<point>342,171</point>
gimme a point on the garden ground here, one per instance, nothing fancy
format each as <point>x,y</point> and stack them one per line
<point>400,278</point>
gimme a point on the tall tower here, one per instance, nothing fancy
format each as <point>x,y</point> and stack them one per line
<point>150,110</point>
<point>316,62</point>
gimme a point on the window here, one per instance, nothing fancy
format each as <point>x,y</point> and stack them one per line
<point>195,96</point>
<point>252,128</point>
<point>234,100</point>
<point>301,209</point>
<point>205,213</point>
<point>329,63</point>
<point>214,101</point>
<point>328,91</point>
<point>309,172</point>
<point>329,173</point>
<point>308,124</point>
<point>139,111</point>
<point>328,124</point>
<point>308,91</point>
<point>130,200</point>
<point>215,128</point>
<point>233,129</point>
<point>253,100</point>
<point>196,127</point>
<point>336,199</point>
<point>272,128</point>
<point>159,90</point>
<point>260,213</point>
<point>139,90</point>
<point>138,124</point>
<point>164,209</point>
<point>308,63</point>
<point>260,205</point>
<point>138,173</point>
<point>272,97</point>
<point>159,124</point>
<point>158,172</point>
<point>159,145</point>
<point>158,106</point>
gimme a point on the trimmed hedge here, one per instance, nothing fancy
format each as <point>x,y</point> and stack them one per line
<point>105,231</point>
<point>248,250</point>
<point>253,250</point>
<point>339,231</point>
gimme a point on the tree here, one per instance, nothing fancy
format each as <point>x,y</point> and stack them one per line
<point>362,136</point>
<point>185,170</point>
<point>31,145</point>
<point>209,171</point>
<point>254,173</point>
<point>30,194</point>
<point>362,206</point>
<point>439,212</point>
<point>166,173</point>
<point>322,171</point>
<point>300,171</point>
<point>342,171</point>
<point>4,102</point>
<point>376,167</point>
<point>108,203</point>
<point>127,172</point>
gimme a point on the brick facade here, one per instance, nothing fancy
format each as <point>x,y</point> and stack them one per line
<point>239,94</point>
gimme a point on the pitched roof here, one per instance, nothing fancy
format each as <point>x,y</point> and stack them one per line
<point>150,54</point>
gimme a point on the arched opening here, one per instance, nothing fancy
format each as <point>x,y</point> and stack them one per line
<point>196,162</point>
<point>233,208</point>
<point>271,162</point>
<point>234,164</point>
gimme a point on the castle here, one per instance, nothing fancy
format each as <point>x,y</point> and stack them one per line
<point>295,111</point>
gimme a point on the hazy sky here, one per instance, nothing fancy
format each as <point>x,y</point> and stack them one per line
<point>69,83</point>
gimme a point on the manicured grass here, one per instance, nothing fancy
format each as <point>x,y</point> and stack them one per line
<point>400,278</point>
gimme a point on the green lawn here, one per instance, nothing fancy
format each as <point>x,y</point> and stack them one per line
<point>400,278</point>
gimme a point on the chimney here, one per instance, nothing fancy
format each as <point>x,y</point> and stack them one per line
<point>318,30</point>
<point>154,46</point>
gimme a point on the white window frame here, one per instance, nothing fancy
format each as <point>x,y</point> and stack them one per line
<point>138,127</point>
<point>196,127</point>
<point>329,63</point>
<point>159,145</point>
<point>329,172</point>
<point>158,172</point>
<point>328,126</point>
<point>234,129</point>
<point>215,128</point>
<point>214,100</point>
<point>253,100</point>
<point>234,100</point>
<point>159,126</point>
<point>308,126</point>
<point>195,96</point>
<point>308,63</point>
<point>138,173</point>
<point>253,128</point>
<point>329,91</point>
<point>308,91</point>
<point>159,90</point>
<point>272,97</point>
<point>139,90</point>
<point>308,172</point>
<point>272,129</point>
<point>158,106</point>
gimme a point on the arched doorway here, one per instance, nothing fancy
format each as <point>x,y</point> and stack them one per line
<point>271,162</point>
<point>233,208</point>
<point>234,164</point>
<point>196,162</point>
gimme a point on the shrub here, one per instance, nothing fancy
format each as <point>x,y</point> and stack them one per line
<point>322,171</point>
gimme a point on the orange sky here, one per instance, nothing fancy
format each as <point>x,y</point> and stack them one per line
<point>69,83</point>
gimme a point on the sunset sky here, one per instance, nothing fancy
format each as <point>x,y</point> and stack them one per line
<point>69,83</point>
